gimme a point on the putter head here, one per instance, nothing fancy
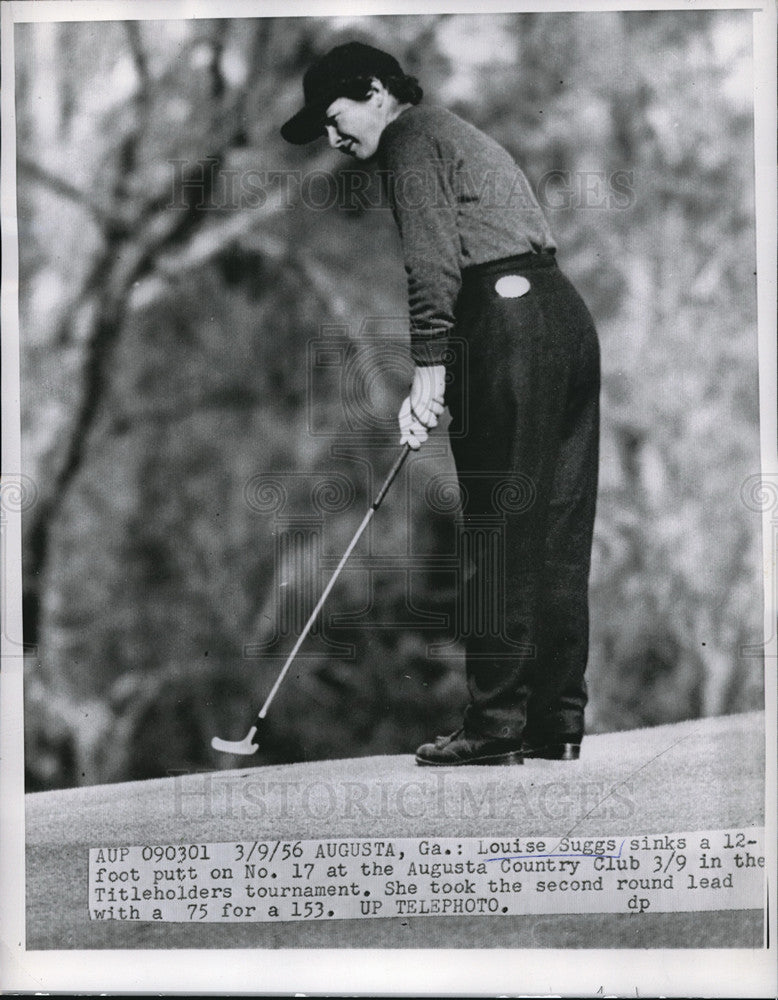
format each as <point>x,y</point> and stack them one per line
<point>244,747</point>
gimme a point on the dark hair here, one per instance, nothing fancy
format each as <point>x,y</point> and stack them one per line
<point>404,88</point>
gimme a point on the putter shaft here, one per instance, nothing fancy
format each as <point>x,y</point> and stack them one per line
<point>246,746</point>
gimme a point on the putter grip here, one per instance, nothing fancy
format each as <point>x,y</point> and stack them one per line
<point>399,461</point>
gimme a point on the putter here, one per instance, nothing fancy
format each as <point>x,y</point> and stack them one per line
<point>247,746</point>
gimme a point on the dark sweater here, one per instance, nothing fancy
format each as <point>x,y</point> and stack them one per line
<point>458,199</point>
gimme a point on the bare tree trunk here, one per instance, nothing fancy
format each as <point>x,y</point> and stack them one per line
<point>131,251</point>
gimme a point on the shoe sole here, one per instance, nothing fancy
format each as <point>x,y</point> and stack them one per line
<point>554,751</point>
<point>514,757</point>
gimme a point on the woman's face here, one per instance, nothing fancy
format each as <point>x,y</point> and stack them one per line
<point>355,127</point>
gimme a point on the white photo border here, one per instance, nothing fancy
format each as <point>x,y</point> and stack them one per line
<point>416,972</point>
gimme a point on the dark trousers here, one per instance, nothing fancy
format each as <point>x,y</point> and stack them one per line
<point>525,437</point>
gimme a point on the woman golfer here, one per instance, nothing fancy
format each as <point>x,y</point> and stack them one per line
<point>480,262</point>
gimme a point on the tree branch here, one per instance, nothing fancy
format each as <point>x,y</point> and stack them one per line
<point>104,215</point>
<point>131,254</point>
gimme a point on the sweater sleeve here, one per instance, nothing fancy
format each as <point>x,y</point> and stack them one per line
<point>419,180</point>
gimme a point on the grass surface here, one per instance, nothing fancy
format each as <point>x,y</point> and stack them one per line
<point>701,775</point>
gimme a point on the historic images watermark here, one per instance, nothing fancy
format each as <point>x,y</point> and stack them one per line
<point>210,185</point>
<point>759,493</point>
<point>355,378</point>
<point>441,796</point>
<point>350,375</point>
<point>18,494</point>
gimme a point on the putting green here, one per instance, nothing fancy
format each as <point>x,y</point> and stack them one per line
<point>700,775</point>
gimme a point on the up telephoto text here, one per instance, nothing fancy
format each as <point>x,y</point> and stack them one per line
<point>277,880</point>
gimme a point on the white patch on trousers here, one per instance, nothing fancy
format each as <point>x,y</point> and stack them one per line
<point>511,286</point>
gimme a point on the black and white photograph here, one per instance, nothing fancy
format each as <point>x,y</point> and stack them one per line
<point>389,500</point>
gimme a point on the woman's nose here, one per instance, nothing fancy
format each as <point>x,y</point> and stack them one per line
<point>332,136</point>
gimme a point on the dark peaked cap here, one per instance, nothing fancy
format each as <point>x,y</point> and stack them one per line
<point>324,81</point>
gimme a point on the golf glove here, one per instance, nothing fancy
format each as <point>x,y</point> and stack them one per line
<point>420,410</point>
